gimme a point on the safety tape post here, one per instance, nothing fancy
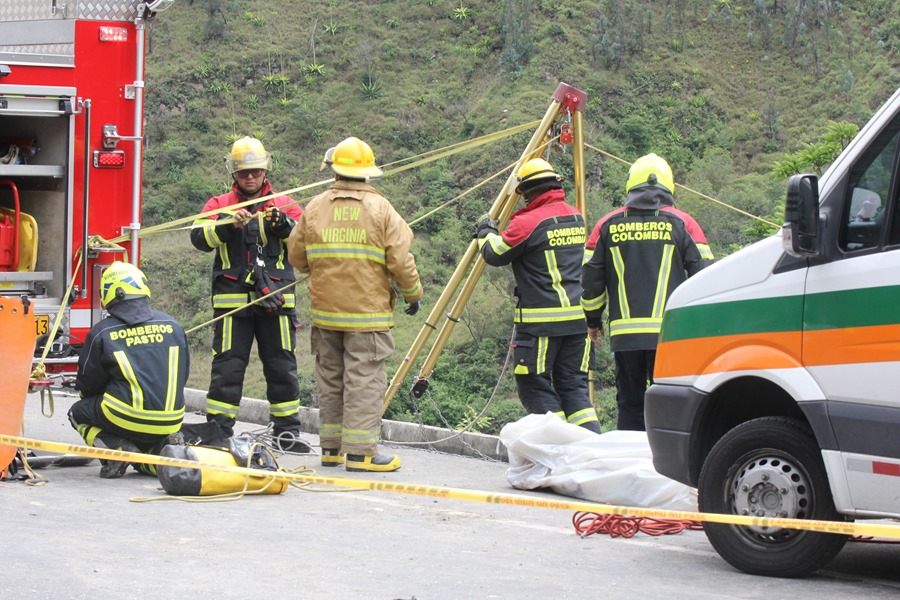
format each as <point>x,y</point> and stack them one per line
<point>836,527</point>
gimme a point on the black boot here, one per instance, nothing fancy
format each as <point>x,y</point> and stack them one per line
<point>289,441</point>
<point>113,469</point>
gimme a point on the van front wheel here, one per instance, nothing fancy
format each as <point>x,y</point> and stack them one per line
<point>769,467</point>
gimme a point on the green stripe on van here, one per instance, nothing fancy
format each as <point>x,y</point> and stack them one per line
<point>732,318</point>
<point>865,307</point>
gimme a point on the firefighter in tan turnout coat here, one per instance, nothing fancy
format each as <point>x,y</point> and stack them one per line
<point>353,244</point>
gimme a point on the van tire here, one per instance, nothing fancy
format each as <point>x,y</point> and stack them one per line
<point>770,467</point>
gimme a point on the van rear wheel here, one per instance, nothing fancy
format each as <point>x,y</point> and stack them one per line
<point>769,467</point>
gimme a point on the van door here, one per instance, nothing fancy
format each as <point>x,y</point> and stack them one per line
<point>851,335</point>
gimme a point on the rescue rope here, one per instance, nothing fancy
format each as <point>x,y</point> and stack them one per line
<point>471,424</point>
<point>38,376</point>
<point>250,303</point>
<point>481,183</point>
<point>411,223</point>
<point>31,477</point>
<point>588,523</point>
<point>418,160</point>
<point>687,189</point>
<point>11,155</point>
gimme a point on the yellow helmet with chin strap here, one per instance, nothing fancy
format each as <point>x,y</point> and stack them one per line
<point>122,281</point>
<point>536,169</point>
<point>248,153</point>
<point>354,159</point>
<point>650,170</point>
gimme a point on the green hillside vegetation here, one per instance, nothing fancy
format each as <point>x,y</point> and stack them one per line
<point>735,95</point>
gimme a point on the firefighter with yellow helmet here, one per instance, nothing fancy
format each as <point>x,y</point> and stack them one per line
<point>250,262</point>
<point>131,373</point>
<point>635,257</point>
<point>355,247</point>
<point>544,243</point>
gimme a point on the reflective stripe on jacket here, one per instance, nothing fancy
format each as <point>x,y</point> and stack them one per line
<point>139,372</point>
<point>234,252</point>
<point>353,244</point>
<point>637,257</point>
<point>544,242</point>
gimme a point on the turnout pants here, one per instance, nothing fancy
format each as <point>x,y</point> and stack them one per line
<point>352,382</point>
<point>275,342</point>
<point>551,376</point>
<point>98,431</point>
<point>634,370</point>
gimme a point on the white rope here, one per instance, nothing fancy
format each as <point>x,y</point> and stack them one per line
<point>11,156</point>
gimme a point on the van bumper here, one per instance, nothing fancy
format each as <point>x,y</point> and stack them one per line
<point>670,413</point>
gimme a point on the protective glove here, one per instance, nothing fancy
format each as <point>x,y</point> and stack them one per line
<point>265,285</point>
<point>412,308</point>
<point>275,218</point>
<point>486,224</point>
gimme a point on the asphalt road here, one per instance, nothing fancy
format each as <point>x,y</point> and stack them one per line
<point>79,536</point>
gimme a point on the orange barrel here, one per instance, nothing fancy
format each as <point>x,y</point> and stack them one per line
<point>17,340</point>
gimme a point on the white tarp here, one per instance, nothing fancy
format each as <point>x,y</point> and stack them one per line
<point>612,468</point>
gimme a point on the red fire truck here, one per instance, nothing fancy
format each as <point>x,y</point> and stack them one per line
<point>71,122</point>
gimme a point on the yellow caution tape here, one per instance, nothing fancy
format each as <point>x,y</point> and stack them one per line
<point>837,527</point>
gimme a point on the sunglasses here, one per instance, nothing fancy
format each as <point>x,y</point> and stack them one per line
<point>250,173</point>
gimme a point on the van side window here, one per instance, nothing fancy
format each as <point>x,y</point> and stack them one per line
<point>869,192</point>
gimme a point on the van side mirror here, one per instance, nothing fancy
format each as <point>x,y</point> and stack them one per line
<point>800,232</point>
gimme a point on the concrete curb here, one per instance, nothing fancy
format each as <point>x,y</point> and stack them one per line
<point>253,410</point>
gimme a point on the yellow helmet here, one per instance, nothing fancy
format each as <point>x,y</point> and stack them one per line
<point>327,159</point>
<point>653,170</point>
<point>122,281</point>
<point>354,159</point>
<point>248,153</point>
<point>536,169</point>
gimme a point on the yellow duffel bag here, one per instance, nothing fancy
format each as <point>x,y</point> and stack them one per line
<point>242,452</point>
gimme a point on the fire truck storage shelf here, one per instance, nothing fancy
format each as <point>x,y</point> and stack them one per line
<point>55,171</point>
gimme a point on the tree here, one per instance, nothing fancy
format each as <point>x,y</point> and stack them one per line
<point>817,155</point>
<point>517,44</point>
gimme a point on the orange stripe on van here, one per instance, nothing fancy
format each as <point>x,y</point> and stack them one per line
<point>851,345</point>
<point>778,350</point>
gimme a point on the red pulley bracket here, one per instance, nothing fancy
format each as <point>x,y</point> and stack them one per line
<point>565,135</point>
<point>570,99</point>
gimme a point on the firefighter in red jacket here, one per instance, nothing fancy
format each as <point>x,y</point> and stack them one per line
<point>250,261</point>
<point>353,244</point>
<point>634,258</point>
<point>544,242</point>
<point>131,373</point>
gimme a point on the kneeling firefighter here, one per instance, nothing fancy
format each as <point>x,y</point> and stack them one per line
<point>131,373</point>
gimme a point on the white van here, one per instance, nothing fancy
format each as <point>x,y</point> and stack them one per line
<point>777,381</point>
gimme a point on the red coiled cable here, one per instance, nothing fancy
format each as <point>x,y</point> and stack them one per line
<point>588,523</point>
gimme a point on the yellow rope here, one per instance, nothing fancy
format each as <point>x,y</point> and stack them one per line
<point>39,372</point>
<point>702,195</point>
<point>476,186</point>
<point>426,157</point>
<point>250,303</point>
